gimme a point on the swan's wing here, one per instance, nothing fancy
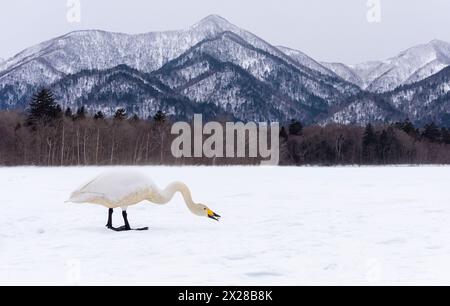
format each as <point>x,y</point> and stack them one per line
<point>87,194</point>
<point>89,197</point>
<point>111,187</point>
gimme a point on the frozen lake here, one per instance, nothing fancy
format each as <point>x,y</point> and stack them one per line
<point>280,226</point>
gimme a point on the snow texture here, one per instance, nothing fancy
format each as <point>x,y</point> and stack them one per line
<point>307,61</point>
<point>412,65</point>
<point>346,73</point>
<point>100,50</point>
<point>280,226</point>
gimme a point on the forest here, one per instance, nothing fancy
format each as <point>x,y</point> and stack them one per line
<point>47,135</point>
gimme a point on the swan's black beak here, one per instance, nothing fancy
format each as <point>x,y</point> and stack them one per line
<point>213,215</point>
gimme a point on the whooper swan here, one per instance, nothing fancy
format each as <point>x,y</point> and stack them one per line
<point>126,188</point>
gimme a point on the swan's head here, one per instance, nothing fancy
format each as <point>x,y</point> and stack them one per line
<point>204,211</point>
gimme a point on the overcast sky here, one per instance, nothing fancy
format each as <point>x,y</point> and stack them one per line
<point>328,30</point>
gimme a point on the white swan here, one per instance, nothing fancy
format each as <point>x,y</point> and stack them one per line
<point>126,188</point>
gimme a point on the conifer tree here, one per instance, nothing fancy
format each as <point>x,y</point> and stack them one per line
<point>43,108</point>
<point>295,128</point>
<point>121,114</point>
<point>160,117</point>
<point>445,135</point>
<point>134,118</point>
<point>432,132</point>
<point>283,133</point>
<point>408,127</point>
<point>81,113</point>
<point>99,115</point>
<point>369,142</point>
<point>68,113</point>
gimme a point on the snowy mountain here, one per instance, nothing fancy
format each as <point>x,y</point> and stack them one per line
<point>425,101</point>
<point>422,102</point>
<point>363,109</point>
<point>364,71</point>
<point>250,83</point>
<point>307,61</point>
<point>345,72</point>
<point>124,87</point>
<point>88,50</point>
<point>53,62</point>
<point>217,68</point>
<point>223,75</point>
<point>410,66</point>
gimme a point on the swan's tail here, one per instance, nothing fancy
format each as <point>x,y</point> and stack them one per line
<point>75,198</point>
<point>83,197</point>
<point>80,195</point>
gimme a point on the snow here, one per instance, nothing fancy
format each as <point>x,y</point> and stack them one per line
<point>306,61</point>
<point>280,226</point>
<point>346,73</point>
<point>100,50</point>
<point>73,65</point>
<point>412,65</point>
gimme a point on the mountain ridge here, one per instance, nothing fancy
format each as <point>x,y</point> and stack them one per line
<point>411,65</point>
<point>268,82</point>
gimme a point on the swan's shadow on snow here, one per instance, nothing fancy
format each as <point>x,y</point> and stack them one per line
<point>152,229</point>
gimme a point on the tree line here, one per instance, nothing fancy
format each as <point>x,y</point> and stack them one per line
<point>389,144</point>
<point>47,135</point>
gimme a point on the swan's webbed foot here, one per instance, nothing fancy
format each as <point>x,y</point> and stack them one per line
<point>112,228</point>
<point>125,229</point>
<point>119,229</point>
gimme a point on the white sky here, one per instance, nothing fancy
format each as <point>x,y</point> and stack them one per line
<point>328,30</point>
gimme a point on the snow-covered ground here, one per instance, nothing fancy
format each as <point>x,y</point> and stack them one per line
<point>280,226</point>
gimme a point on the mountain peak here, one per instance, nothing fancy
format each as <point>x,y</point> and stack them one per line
<point>438,42</point>
<point>430,47</point>
<point>215,22</point>
<point>441,47</point>
<point>214,18</point>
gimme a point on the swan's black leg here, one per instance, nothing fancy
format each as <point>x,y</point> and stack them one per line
<point>126,227</point>
<point>125,219</point>
<point>109,224</point>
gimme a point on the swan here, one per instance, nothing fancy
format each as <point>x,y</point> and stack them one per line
<point>121,189</point>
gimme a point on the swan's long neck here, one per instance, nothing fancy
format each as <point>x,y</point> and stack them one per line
<point>168,193</point>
